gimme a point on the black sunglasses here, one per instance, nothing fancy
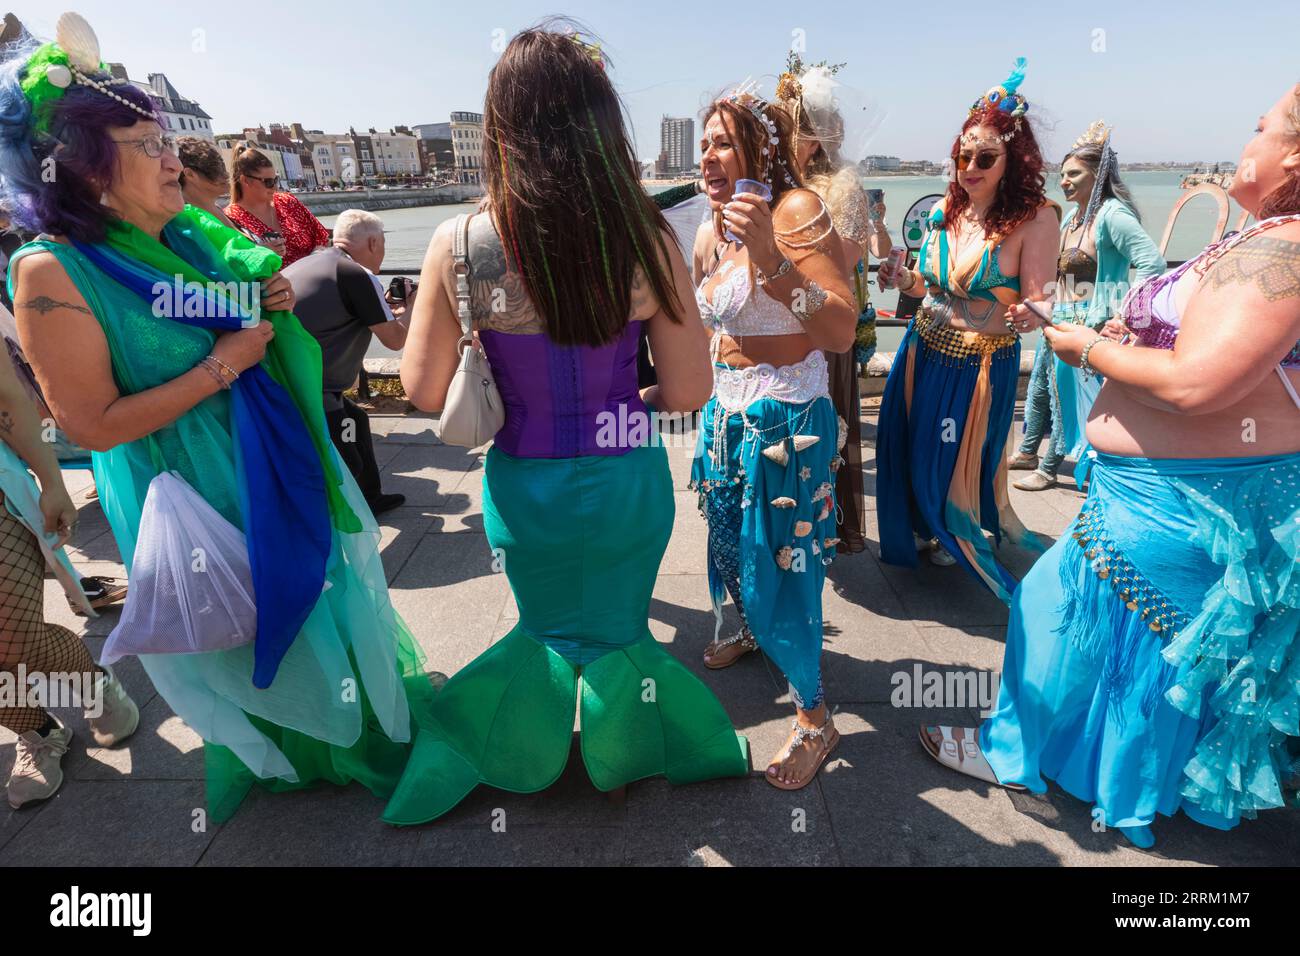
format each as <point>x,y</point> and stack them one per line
<point>269,182</point>
<point>985,159</point>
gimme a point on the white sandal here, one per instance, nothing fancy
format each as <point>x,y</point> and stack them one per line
<point>963,755</point>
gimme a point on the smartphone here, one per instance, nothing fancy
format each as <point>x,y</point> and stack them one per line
<point>874,198</point>
<point>1038,310</point>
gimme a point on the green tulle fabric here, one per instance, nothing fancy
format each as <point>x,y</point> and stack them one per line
<point>374,761</point>
<point>506,720</point>
<point>293,357</point>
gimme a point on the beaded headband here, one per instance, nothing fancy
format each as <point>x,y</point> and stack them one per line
<point>73,57</point>
<point>1006,99</point>
<point>746,95</point>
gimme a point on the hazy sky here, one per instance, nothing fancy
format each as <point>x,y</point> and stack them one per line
<point>1182,80</point>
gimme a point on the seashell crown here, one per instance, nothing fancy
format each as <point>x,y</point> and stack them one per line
<point>73,57</point>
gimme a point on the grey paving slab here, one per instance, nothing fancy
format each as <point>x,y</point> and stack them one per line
<point>320,826</point>
<point>162,748</point>
<point>450,598</point>
<point>114,823</point>
<point>741,822</point>
<point>521,846</point>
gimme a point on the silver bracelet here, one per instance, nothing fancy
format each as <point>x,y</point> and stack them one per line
<point>814,297</point>
<point>1083,356</point>
<point>763,279</point>
<point>214,372</point>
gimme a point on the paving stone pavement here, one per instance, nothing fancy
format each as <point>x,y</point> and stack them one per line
<point>880,800</point>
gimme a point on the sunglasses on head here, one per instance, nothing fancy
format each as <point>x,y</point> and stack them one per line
<point>984,159</point>
<point>269,182</point>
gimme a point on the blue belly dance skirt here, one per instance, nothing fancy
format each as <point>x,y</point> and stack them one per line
<point>1153,656</point>
<point>941,455</point>
<point>772,552</point>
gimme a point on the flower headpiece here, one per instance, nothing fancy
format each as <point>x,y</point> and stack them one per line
<point>1006,99</point>
<point>746,95</point>
<point>73,57</point>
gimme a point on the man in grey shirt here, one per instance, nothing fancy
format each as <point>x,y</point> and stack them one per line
<point>342,303</point>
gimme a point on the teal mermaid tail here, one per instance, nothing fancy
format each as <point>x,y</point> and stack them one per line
<point>580,540</point>
<point>506,720</point>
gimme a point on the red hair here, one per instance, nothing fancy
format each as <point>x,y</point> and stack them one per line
<point>1022,189</point>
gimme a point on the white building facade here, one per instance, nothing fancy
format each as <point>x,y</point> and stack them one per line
<point>467,146</point>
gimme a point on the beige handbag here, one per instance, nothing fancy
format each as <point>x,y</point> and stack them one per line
<point>473,412</point>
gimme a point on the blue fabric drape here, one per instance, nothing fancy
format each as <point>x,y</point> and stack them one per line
<point>282,483</point>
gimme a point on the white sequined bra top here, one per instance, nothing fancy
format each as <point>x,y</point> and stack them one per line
<point>736,308</point>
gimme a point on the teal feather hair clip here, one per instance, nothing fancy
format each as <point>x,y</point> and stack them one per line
<point>1005,97</point>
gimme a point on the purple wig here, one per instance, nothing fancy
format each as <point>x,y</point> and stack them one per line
<point>61,198</point>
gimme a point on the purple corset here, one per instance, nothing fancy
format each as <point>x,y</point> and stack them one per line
<point>566,401</point>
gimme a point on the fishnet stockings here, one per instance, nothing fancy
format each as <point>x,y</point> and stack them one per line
<point>25,638</point>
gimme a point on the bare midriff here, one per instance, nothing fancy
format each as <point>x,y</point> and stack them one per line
<point>776,350</point>
<point>1265,422</point>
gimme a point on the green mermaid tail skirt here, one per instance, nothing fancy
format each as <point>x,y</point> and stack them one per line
<point>581,540</point>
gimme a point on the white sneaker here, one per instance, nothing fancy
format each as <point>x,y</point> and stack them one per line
<point>921,544</point>
<point>942,557</point>
<point>38,764</point>
<point>119,717</point>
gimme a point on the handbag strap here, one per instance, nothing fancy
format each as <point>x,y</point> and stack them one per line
<point>460,266</point>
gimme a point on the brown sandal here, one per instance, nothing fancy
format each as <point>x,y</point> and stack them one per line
<point>830,738</point>
<point>720,654</point>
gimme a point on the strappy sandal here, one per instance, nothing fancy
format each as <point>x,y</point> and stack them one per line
<point>830,738</point>
<point>963,755</point>
<point>720,654</point>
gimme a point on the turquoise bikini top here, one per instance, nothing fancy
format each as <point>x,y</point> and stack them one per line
<point>988,276</point>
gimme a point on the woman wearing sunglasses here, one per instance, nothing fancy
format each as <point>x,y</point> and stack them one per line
<point>276,219</point>
<point>950,398</point>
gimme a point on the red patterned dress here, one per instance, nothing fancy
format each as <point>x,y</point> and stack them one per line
<point>301,230</point>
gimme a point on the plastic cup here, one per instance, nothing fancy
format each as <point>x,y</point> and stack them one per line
<point>754,187</point>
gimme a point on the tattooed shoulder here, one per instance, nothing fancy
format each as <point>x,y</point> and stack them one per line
<point>1270,264</point>
<point>43,304</point>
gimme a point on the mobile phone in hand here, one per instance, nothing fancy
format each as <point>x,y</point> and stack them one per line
<point>1039,311</point>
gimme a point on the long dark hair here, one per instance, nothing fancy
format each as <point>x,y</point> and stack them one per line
<point>1023,187</point>
<point>1114,187</point>
<point>565,189</point>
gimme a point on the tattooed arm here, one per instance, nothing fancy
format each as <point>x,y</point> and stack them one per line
<point>69,354</point>
<point>1243,317</point>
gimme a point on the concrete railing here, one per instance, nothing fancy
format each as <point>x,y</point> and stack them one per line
<point>332,203</point>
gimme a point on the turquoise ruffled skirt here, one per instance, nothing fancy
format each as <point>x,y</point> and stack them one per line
<point>1153,658</point>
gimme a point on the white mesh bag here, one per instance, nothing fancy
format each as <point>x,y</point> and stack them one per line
<point>191,588</point>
